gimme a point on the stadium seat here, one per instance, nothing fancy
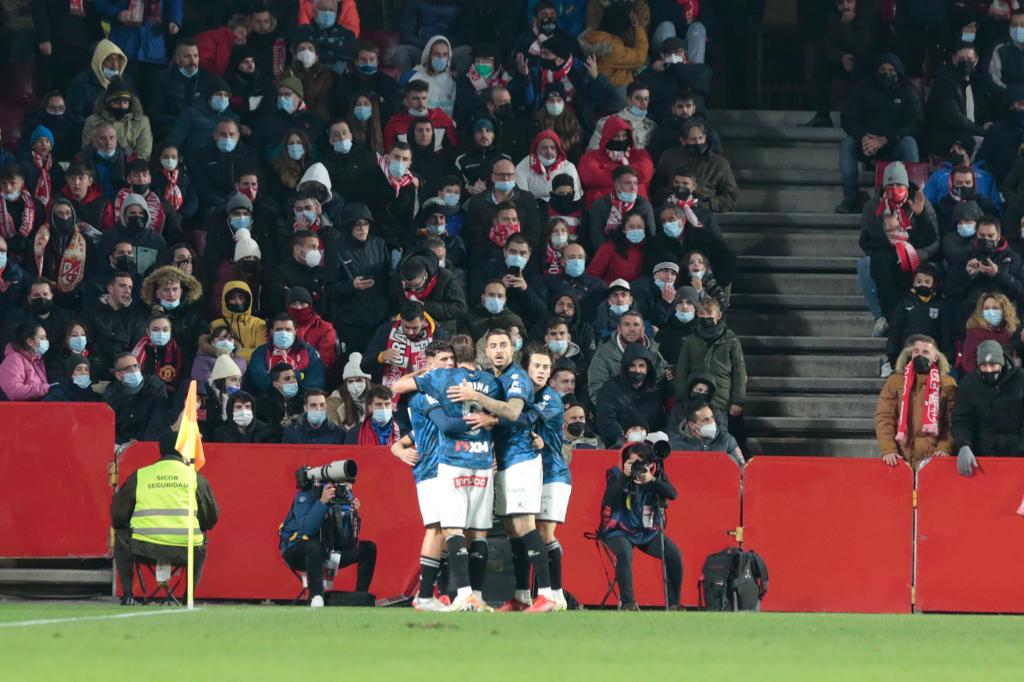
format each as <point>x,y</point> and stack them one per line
<point>164,586</point>
<point>607,560</point>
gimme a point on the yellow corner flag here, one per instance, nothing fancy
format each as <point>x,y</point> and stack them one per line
<point>190,446</point>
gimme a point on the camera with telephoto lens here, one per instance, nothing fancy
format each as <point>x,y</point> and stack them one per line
<point>338,471</point>
<point>653,460</point>
<point>340,530</point>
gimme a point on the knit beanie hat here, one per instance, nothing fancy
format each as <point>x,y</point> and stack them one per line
<point>42,131</point>
<point>225,367</point>
<point>895,174</point>
<point>990,351</point>
<point>246,246</point>
<point>291,82</point>
<point>352,368</point>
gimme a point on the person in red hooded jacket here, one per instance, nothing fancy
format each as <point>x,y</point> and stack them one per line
<point>597,165</point>
<point>216,44</point>
<point>311,328</point>
<point>546,159</point>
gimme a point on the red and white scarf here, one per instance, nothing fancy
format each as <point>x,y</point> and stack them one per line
<point>930,406</point>
<point>422,294</point>
<point>894,202</point>
<point>553,264</point>
<point>413,353</point>
<point>44,186</point>
<point>571,220</point>
<point>153,205</point>
<point>70,270</point>
<point>550,171</point>
<point>905,252</point>
<point>559,75</point>
<point>368,434</point>
<point>168,362</point>
<point>172,193</point>
<point>499,77</point>
<point>687,207</point>
<point>539,39</point>
<point>397,183</point>
<point>28,216</point>
<point>499,233</point>
<point>619,209</point>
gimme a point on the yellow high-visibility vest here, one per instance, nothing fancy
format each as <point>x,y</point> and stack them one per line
<point>161,505</point>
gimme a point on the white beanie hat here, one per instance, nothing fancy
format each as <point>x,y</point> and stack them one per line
<point>352,369</point>
<point>225,367</point>
<point>245,245</point>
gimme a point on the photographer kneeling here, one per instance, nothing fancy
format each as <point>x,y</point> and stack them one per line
<point>630,519</point>
<point>323,522</point>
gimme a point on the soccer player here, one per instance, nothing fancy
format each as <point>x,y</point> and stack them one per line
<point>520,475</point>
<point>420,451</point>
<point>557,487</point>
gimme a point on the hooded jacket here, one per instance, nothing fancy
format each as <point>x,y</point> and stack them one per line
<point>595,167</point>
<point>892,113</point>
<point>148,245</point>
<point>22,375</point>
<point>607,361</point>
<point>194,126</point>
<point>643,128</point>
<point>90,83</point>
<point>187,320</point>
<point>249,331</point>
<point>442,84</point>
<point>615,59</point>
<point>619,403</point>
<point>716,183</point>
<point>134,134</point>
<point>723,359</point>
<point>446,303</point>
<point>206,358</point>
<point>918,446</point>
<point>539,184</point>
<point>989,418</point>
<point>423,19</point>
<point>351,258</point>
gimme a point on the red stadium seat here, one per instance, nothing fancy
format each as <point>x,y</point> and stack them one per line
<point>387,41</point>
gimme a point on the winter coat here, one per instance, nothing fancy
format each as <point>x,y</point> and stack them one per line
<point>318,333</point>
<point>539,184</point>
<point>984,184</point>
<point>446,304</point>
<point>134,134</point>
<point>347,171</point>
<point>946,113</point>
<point>91,83</point>
<point>915,316</point>
<point>619,403</point>
<point>141,43</point>
<point>918,446</point>
<point>723,359</point>
<point>1009,281</point>
<point>187,320</point>
<point>66,129</point>
<point>478,321</point>
<point>601,209</point>
<point>988,418</point>
<point>173,93</point>
<point>707,239</point>
<point>442,84</point>
<point>923,232</point>
<point>270,129</point>
<point>999,149</point>
<point>615,59</point>
<point>22,375</point>
<point>351,307</point>
<point>607,361</point>
<point>858,37</point>
<point>380,84</point>
<point>648,300</point>
<point>893,114</point>
<point>716,184</point>
<point>215,46</point>
<point>275,411</point>
<point>206,357</point>
<point>309,375</point>
<point>587,290</point>
<point>317,87</point>
<point>1005,67</point>
<point>680,438</point>
<point>142,415</point>
<point>480,214</point>
<point>596,168</point>
<point>259,432</point>
<point>193,127</point>
<point>643,129</point>
<point>610,265</point>
<point>112,332</point>
<point>300,432</point>
<point>348,14</point>
<point>665,85</point>
<point>671,336</point>
<point>335,45</point>
<point>394,216</point>
<point>976,335</point>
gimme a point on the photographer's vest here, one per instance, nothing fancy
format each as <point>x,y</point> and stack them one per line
<point>161,505</point>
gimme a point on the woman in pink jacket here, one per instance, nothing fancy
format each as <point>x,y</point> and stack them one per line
<point>22,373</point>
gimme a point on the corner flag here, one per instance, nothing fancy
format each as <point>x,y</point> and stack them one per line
<point>190,446</point>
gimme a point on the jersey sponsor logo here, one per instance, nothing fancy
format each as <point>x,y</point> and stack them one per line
<point>470,482</point>
<point>473,448</point>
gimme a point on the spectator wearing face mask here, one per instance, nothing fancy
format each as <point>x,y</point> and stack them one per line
<point>75,382</point>
<point>922,310</point>
<point>191,131</point>
<point>74,340</point>
<point>285,348</point>
<point>242,425</point>
<point>633,396</point>
<point>1006,63</point>
<point>331,24</point>
<point>220,343</point>
<point>43,173</point>
<point>281,402</point>
<point>681,323</point>
<point>435,68</point>
<point>346,406</point>
<point>422,280</point>
<point>378,426</point>
<point>21,214</point>
<point>546,160</point>
<point>391,192</point>
<point>40,310</point>
<point>994,319</point>
<point>317,78</point>
<point>304,269</point>
<point>22,372</point>
<point>992,267</point>
<point>963,186</point>
<point>178,86</point>
<point>915,408</point>
<point>107,62</point>
<point>698,275</point>
<point>622,255</point>
<point>700,432</point>
<point>954,94</point>
<point>159,354</point>
<point>139,402</point>
<point>217,382</point>
<point>617,149</point>
<point>247,330</point>
<point>959,156</point>
<point>575,431</point>
<point>433,228</point>
<point>491,313</point>
<point>133,227</point>
<point>989,409</point>
<point>366,77</point>
<point>713,181</point>
<point>61,250</point>
<point>290,112</point>
<point>607,360</point>
<point>311,328</point>
<point>287,169</point>
<point>607,213</point>
<point>161,219</point>
<point>313,427</point>
<point>179,297</point>
<point>121,108</point>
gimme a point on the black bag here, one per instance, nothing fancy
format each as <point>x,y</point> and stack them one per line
<point>339,598</point>
<point>733,580</point>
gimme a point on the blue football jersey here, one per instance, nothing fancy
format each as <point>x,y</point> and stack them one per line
<point>552,415</point>
<point>426,436</point>
<point>512,443</point>
<point>473,449</point>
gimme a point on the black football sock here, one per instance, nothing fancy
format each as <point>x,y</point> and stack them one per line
<point>520,563</point>
<point>429,569</point>
<point>458,562</point>
<point>477,563</point>
<point>555,564</point>
<point>537,555</point>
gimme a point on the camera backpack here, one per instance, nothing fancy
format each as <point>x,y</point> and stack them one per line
<point>733,580</point>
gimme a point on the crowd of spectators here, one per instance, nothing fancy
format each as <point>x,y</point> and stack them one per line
<point>276,201</point>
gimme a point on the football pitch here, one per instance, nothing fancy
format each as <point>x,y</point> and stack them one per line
<point>54,641</point>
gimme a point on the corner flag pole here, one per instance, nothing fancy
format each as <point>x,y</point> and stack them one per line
<point>190,571</point>
<point>189,445</point>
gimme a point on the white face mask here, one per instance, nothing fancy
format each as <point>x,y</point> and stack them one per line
<point>313,258</point>
<point>307,58</point>
<point>635,437</point>
<point>709,431</point>
<point>242,417</point>
<point>355,388</point>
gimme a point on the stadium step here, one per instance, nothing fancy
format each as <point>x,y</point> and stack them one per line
<point>788,426</point>
<point>818,385</point>
<point>796,301</point>
<point>789,198</point>
<point>815,447</point>
<point>759,219</point>
<point>801,323</point>
<point>789,134</point>
<point>802,242</point>
<point>796,283</point>
<point>812,344</point>
<point>796,177</point>
<point>803,366</point>
<point>762,117</point>
<point>749,263</point>
<point>797,157</point>
<point>808,406</point>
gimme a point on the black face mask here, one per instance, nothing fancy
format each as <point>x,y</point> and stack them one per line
<point>548,26</point>
<point>887,80</point>
<point>135,223</point>
<point>695,149</point>
<point>989,377</point>
<point>140,189</point>
<point>963,193</point>
<point>119,113</point>
<point>577,429</point>
<point>503,111</point>
<point>923,291</point>
<point>683,193</point>
<point>63,225</point>
<point>124,264</point>
<point>237,307</point>
<point>957,159</point>
<point>987,245</point>
<point>706,322</point>
<point>617,145</point>
<point>564,204</point>
<point>40,306</point>
<point>636,377</point>
<point>702,397</point>
<point>548,64</point>
<point>964,67</point>
<point>922,365</point>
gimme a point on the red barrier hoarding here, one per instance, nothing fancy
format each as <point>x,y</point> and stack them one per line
<point>836,534</point>
<point>254,486</point>
<point>970,540</point>
<point>54,472</point>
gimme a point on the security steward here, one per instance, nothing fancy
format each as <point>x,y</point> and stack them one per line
<point>150,516</point>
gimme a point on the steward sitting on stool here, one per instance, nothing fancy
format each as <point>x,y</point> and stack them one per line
<point>150,516</point>
<point>323,524</point>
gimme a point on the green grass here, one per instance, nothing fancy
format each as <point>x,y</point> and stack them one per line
<point>276,643</point>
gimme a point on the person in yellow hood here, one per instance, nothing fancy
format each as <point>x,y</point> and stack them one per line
<point>107,61</point>
<point>236,308</point>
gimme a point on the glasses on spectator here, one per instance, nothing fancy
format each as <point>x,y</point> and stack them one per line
<point>183,261</point>
<point>361,223</point>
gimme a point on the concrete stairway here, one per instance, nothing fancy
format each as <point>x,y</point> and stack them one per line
<point>796,306</point>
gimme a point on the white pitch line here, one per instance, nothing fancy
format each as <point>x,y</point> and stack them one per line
<point>75,619</point>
